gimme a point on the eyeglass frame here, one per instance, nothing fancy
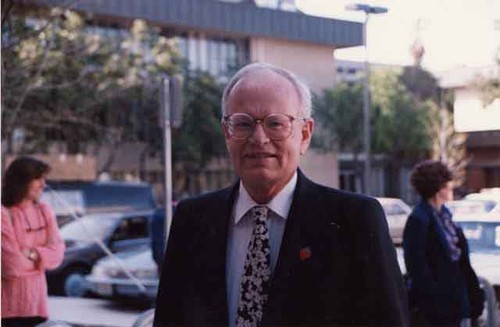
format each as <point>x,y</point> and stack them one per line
<point>226,121</point>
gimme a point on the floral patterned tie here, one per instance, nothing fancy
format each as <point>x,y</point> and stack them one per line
<point>256,273</point>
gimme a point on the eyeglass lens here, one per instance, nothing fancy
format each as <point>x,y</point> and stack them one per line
<point>276,126</point>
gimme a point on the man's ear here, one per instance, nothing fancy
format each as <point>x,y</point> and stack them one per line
<point>307,132</point>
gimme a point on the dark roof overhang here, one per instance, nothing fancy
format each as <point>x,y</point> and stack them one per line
<point>243,19</point>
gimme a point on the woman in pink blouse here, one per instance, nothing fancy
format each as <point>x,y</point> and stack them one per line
<point>31,244</point>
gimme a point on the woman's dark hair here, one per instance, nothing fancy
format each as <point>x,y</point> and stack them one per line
<point>429,176</point>
<point>18,176</point>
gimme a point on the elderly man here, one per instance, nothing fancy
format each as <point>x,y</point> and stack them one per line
<point>277,249</point>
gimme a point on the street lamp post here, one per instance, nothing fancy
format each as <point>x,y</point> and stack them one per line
<point>367,9</point>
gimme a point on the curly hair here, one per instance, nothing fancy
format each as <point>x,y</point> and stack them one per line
<point>18,177</point>
<point>429,176</point>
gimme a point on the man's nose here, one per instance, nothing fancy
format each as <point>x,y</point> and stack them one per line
<point>259,134</point>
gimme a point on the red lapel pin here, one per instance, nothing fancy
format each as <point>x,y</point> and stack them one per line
<point>305,254</point>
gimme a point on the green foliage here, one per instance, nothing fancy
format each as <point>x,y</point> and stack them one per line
<point>62,81</point>
<point>400,126</point>
<point>447,145</point>
<point>67,81</point>
<point>339,115</point>
<point>399,121</point>
<point>421,83</point>
<point>200,137</point>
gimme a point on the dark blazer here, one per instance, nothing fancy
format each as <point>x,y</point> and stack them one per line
<point>444,291</point>
<point>349,277</point>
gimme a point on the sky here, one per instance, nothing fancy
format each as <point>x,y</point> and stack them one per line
<point>454,32</point>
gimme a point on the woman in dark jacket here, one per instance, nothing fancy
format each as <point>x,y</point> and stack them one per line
<point>443,287</point>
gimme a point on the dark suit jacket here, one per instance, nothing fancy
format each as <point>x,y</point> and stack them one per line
<point>350,278</point>
<point>444,291</point>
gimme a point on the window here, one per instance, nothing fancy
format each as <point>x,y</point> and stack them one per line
<point>131,228</point>
<point>214,55</point>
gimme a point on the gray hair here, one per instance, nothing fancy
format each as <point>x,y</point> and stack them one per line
<point>302,89</point>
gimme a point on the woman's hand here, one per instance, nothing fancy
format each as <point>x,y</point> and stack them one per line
<point>31,254</point>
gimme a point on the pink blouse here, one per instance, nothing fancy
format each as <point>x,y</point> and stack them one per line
<point>24,287</point>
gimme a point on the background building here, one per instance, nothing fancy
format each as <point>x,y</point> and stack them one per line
<point>219,37</point>
<point>480,120</point>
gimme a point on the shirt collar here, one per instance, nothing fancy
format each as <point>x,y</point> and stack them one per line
<point>280,204</point>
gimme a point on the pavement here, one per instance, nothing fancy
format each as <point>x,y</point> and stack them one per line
<point>85,312</point>
<point>88,312</point>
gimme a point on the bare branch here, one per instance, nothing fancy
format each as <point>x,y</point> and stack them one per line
<point>84,73</point>
<point>28,88</point>
<point>48,21</point>
<point>6,12</point>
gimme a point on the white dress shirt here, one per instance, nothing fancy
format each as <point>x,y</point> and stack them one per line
<point>240,232</point>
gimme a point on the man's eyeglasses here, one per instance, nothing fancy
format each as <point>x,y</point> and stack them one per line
<point>276,126</point>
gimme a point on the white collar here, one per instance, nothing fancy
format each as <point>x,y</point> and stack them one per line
<point>280,204</point>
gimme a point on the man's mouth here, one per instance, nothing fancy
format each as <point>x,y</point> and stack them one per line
<point>259,155</point>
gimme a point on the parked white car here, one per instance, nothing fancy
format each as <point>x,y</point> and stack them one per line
<point>485,194</point>
<point>109,278</point>
<point>396,212</point>
<point>470,209</point>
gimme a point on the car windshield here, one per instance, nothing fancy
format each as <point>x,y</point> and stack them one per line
<point>482,236</point>
<point>64,202</point>
<point>88,228</point>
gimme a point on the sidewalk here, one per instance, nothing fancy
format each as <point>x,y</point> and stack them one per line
<point>91,312</point>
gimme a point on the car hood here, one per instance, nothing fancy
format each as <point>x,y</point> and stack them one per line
<point>139,258</point>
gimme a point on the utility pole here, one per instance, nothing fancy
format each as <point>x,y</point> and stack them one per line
<point>171,116</point>
<point>367,9</point>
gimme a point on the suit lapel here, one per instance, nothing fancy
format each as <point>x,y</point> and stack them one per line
<point>436,225</point>
<point>294,237</point>
<point>211,251</point>
<point>302,229</point>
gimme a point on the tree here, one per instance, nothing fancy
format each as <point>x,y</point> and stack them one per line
<point>200,138</point>
<point>63,81</point>
<point>488,88</point>
<point>447,145</point>
<point>400,122</point>
<point>339,117</point>
<point>400,128</point>
<point>339,113</point>
<point>421,83</point>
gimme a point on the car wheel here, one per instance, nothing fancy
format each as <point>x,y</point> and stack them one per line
<point>74,282</point>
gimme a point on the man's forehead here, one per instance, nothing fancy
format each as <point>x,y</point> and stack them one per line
<point>265,81</point>
<point>263,76</point>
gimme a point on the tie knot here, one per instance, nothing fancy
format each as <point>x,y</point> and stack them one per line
<point>259,213</point>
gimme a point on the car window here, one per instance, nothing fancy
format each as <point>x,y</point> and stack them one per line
<point>88,228</point>
<point>131,228</point>
<point>393,209</point>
